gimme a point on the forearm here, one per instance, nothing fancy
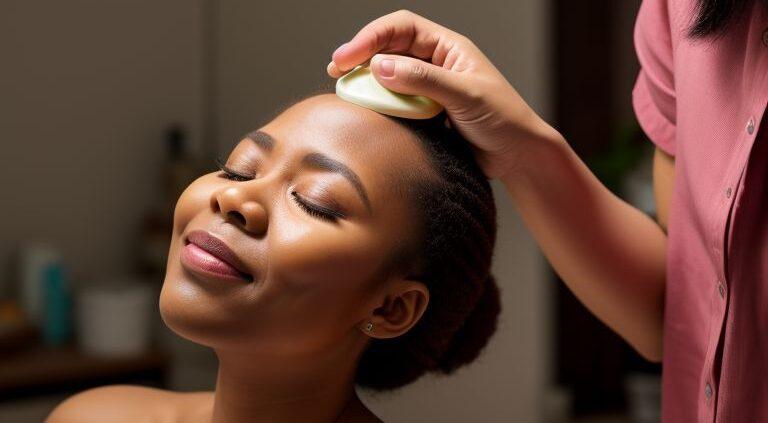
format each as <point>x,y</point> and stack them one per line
<point>611,255</point>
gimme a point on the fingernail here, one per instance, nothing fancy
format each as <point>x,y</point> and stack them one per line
<point>387,68</point>
<point>331,68</point>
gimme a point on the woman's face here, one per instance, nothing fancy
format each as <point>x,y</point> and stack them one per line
<point>282,254</point>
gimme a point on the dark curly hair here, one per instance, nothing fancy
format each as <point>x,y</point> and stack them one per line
<point>452,255</point>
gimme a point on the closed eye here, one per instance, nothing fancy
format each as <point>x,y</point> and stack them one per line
<point>316,210</point>
<point>232,174</point>
<point>312,209</point>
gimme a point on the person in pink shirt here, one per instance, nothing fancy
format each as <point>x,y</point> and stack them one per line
<point>689,288</point>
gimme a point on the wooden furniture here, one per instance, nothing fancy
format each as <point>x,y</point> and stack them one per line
<point>42,371</point>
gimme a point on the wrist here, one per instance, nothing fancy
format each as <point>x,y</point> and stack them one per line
<point>531,154</point>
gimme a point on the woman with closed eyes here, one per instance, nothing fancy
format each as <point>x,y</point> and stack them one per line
<point>335,247</point>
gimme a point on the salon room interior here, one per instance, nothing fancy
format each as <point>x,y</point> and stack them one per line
<point>108,109</point>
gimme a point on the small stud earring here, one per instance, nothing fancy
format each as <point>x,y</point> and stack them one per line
<point>369,326</point>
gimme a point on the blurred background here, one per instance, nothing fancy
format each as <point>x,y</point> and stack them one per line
<point>109,108</point>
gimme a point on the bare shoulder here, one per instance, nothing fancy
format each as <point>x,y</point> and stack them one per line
<point>124,403</point>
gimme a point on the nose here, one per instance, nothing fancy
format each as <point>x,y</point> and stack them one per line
<point>240,210</point>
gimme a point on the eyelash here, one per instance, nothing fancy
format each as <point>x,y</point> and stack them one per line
<point>313,210</point>
<point>232,175</point>
<point>317,211</point>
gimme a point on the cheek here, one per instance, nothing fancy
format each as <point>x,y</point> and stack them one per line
<point>195,198</point>
<point>323,258</point>
<point>321,276</point>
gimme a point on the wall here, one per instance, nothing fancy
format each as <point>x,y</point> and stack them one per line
<point>269,53</point>
<point>87,88</point>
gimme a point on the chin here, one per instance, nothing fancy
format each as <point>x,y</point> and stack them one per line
<point>210,314</point>
<point>183,322</point>
<point>189,312</point>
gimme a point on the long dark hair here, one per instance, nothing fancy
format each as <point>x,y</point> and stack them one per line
<point>714,17</point>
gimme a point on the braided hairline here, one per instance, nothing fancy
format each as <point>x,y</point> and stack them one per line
<point>459,221</point>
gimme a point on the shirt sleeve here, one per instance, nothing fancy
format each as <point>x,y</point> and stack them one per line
<point>653,96</point>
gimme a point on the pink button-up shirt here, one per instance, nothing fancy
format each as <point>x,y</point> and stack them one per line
<point>703,101</point>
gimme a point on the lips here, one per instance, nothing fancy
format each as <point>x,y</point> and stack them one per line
<point>204,253</point>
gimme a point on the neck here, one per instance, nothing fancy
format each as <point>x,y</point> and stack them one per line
<point>252,388</point>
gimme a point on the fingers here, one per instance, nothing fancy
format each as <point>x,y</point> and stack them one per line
<point>408,75</point>
<point>400,32</point>
<point>334,70</point>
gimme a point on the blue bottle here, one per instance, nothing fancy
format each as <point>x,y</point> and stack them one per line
<point>57,306</point>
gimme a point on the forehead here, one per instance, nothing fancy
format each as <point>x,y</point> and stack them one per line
<point>375,147</point>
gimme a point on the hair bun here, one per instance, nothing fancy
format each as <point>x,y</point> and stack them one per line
<point>473,335</point>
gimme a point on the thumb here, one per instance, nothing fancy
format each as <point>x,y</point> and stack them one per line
<point>407,75</point>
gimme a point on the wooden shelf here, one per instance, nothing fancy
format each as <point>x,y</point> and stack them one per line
<point>43,370</point>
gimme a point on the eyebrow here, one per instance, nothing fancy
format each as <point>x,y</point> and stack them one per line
<point>262,139</point>
<point>319,161</point>
<point>324,162</point>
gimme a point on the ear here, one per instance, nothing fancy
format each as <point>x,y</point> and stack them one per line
<point>402,305</point>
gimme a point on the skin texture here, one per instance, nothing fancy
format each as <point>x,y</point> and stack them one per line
<point>663,181</point>
<point>611,255</point>
<point>288,340</point>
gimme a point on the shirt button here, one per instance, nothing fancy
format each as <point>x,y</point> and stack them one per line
<point>765,38</point>
<point>708,391</point>
<point>721,289</point>
<point>728,192</point>
<point>751,126</point>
